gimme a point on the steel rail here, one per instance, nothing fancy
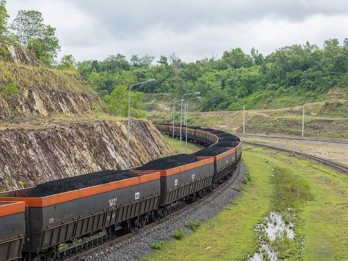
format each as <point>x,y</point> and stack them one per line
<point>311,139</point>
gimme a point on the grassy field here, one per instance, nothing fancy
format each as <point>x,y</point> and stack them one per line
<point>314,198</point>
<point>174,146</point>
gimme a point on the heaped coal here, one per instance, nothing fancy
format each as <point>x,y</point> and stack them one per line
<point>229,137</point>
<point>217,132</point>
<point>79,182</point>
<point>169,162</point>
<point>226,144</point>
<point>211,151</point>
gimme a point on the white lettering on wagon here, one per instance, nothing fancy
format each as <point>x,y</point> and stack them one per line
<point>51,220</point>
<point>193,177</point>
<point>175,182</point>
<point>137,195</point>
<point>226,161</point>
<point>112,202</point>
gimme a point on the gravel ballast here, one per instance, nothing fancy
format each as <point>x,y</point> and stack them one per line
<point>138,245</point>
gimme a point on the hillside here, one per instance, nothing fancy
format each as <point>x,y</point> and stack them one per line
<point>322,119</point>
<point>52,125</point>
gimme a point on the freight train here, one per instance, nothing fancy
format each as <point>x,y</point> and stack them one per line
<point>36,222</point>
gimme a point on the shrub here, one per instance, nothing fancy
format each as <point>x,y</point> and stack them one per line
<point>157,245</point>
<point>194,225</point>
<point>178,234</point>
<point>10,90</point>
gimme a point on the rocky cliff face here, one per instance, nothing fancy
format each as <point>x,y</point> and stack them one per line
<point>51,126</point>
<point>32,156</point>
<point>35,91</point>
<point>16,54</point>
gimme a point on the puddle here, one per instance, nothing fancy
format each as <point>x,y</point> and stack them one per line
<point>274,229</point>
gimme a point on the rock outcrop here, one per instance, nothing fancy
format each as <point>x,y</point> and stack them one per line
<point>32,156</point>
<point>51,126</point>
<point>35,91</point>
<point>16,54</point>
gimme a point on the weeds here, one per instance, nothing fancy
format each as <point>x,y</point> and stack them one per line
<point>10,90</point>
<point>21,184</point>
<point>178,234</point>
<point>157,245</point>
<point>247,178</point>
<point>194,225</point>
<point>290,191</point>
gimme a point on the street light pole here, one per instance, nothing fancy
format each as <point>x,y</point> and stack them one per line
<point>129,119</point>
<point>186,115</point>
<point>303,114</point>
<point>173,115</point>
<point>181,101</point>
<point>243,119</point>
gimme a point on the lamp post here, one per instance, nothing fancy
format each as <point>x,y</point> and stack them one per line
<point>186,114</point>
<point>173,114</point>
<point>128,129</point>
<point>182,99</point>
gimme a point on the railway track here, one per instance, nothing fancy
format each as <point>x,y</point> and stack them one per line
<point>338,141</point>
<point>176,213</point>
<point>326,162</point>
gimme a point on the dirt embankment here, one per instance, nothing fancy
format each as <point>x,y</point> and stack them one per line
<point>32,156</point>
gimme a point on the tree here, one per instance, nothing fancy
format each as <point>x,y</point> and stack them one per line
<point>3,20</point>
<point>117,102</point>
<point>39,38</point>
<point>67,62</point>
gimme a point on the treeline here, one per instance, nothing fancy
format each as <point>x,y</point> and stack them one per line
<point>227,82</point>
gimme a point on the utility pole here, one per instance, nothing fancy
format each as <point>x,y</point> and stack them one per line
<point>174,115</point>
<point>243,119</point>
<point>303,112</point>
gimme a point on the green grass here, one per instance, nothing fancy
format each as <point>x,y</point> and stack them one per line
<point>174,145</point>
<point>231,233</point>
<point>320,213</point>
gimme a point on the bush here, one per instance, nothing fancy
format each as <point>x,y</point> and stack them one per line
<point>10,90</point>
<point>194,225</point>
<point>178,234</point>
<point>247,178</point>
<point>157,245</point>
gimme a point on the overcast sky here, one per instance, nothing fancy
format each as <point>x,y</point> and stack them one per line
<point>192,29</point>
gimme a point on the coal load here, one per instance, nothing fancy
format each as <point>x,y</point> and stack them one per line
<point>79,182</point>
<point>226,144</point>
<point>194,127</point>
<point>218,132</point>
<point>169,162</point>
<point>211,151</point>
<point>228,138</point>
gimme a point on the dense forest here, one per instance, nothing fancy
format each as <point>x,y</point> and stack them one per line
<point>231,81</point>
<point>226,83</point>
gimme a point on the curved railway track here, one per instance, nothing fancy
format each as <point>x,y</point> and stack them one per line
<point>326,162</point>
<point>338,141</point>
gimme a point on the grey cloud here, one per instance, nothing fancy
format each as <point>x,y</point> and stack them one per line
<point>124,18</point>
<point>193,29</point>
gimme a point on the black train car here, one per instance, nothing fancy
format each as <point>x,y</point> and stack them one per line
<point>12,230</point>
<point>62,217</point>
<point>182,176</point>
